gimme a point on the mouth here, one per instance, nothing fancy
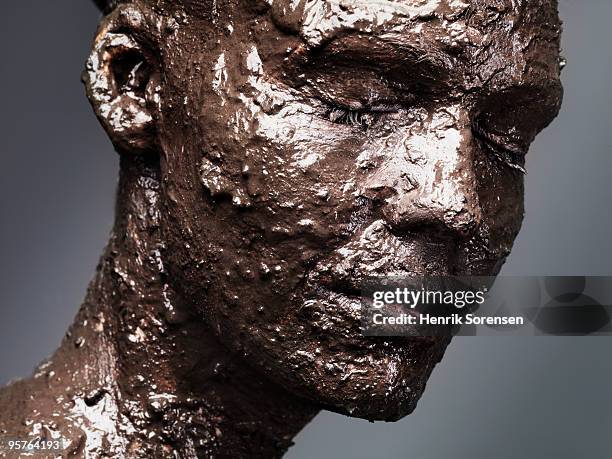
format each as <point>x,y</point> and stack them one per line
<point>343,308</point>
<point>345,303</point>
<point>340,285</point>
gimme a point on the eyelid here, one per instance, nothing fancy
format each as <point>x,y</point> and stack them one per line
<point>505,151</point>
<point>507,143</point>
<point>361,108</point>
<point>366,115</point>
<point>341,115</point>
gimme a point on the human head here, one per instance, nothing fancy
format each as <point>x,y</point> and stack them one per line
<point>305,145</point>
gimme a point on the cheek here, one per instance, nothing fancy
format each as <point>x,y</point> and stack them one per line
<point>302,174</point>
<point>295,177</point>
<point>501,196</point>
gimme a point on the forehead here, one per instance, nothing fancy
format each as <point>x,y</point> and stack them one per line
<point>318,20</point>
<point>495,43</point>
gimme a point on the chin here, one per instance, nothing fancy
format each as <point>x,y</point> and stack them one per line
<point>317,351</point>
<point>378,385</point>
<point>373,378</point>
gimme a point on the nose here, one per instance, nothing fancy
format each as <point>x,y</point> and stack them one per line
<point>427,181</point>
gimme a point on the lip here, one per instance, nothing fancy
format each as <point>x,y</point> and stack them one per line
<point>351,286</point>
<point>348,306</point>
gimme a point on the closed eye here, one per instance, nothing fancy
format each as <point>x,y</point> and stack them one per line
<point>364,118</point>
<point>509,155</point>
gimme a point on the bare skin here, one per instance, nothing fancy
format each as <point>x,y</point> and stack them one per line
<point>273,155</point>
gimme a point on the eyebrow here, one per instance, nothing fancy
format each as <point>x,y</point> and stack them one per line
<point>390,57</point>
<point>403,62</point>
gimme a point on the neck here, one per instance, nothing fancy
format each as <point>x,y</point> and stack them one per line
<point>166,383</point>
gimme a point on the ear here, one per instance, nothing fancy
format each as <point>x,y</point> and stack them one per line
<point>121,79</point>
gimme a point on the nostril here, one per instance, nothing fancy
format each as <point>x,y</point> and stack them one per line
<point>424,230</point>
<point>431,222</point>
<point>427,228</point>
<point>379,193</point>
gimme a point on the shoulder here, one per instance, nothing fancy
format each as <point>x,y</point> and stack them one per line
<point>31,412</point>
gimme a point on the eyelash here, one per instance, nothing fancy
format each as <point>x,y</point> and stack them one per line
<point>349,117</point>
<point>513,159</point>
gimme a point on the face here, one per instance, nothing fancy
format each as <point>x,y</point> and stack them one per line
<point>305,146</point>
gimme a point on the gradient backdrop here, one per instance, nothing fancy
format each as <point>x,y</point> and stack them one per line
<point>490,397</point>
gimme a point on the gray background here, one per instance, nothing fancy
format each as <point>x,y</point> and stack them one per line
<point>490,397</point>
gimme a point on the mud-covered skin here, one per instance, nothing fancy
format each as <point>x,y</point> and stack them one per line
<point>274,153</point>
